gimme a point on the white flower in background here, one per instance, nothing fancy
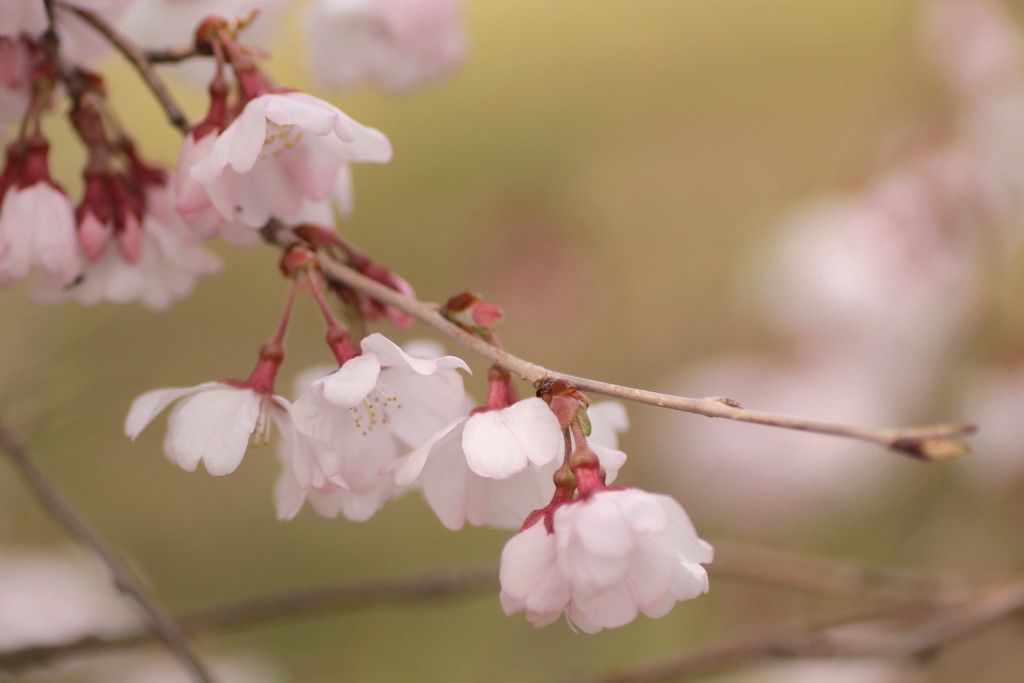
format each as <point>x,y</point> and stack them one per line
<point>743,473</point>
<point>376,407</point>
<point>396,44</point>
<point>80,43</point>
<point>50,597</point>
<point>282,150</point>
<point>974,43</point>
<point>878,268</point>
<point>609,557</point>
<point>163,23</point>
<point>496,467</point>
<point>834,671</point>
<point>992,400</point>
<point>213,423</point>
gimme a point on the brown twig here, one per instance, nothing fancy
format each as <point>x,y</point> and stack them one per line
<point>932,442</point>
<point>173,55</point>
<point>54,502</point>
<point>138,59</point>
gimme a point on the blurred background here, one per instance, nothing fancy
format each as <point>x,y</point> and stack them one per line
<point>809,207</point>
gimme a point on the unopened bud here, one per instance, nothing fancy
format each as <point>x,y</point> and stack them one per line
<point>932,449</point>
<point>469,310</point>
<point>296,260</point>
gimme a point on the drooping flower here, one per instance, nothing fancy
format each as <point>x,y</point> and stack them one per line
<point>606,558</point>
<point>37,223</point>
<point>396,44</point>
<point>283,149</point>
<point>374,408</point>
<point>212,422</point>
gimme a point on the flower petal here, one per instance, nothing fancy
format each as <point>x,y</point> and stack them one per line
<point>150,404</point>
<point>213,426</point>
<point>501,443</point>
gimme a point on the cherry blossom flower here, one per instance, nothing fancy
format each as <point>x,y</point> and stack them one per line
<point>37,222</point>
<point>495,467</point>
<point>375,407</point>
<point>212,423</point>
<point>606,558</point>
<point>281,150</point>
<point>397,44</point>
<point>170,259</point>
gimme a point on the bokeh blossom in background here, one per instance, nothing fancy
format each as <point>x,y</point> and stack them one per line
<point>819,218</point>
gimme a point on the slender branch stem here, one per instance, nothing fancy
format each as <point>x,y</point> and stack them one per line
<point>54,502</point>
<point>932,442</point>
<point>138,59</point>
<point>173,55</point>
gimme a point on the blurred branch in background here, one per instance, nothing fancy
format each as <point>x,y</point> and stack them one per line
<point>53,501</point>
<point>900,632</point>
<point>921,611</point>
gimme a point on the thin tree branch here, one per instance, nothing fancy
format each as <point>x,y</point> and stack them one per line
<point>138,59</point>
<point>54,502</point>
<point>932,442</point>
<point>835,577</point>
<point>882,634</point>
<point>789,637</point>
<point>173,55</point>
<point>916,592</point>
<point>335,598</point>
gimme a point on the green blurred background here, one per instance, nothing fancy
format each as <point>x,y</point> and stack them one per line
<point>627,160</point>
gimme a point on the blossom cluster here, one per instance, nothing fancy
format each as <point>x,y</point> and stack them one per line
<point>388,420</point>
<point>269,162</point>
<point>262,151</point>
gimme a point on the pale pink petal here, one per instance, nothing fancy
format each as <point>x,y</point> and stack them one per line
<point>152,403</point>
<point>529,576</point>
<point>390,354</point>
<point>288,496</point>
<point>409,468</point>
<point>500,443</point>
<point>214,427</point>
<point>352,382</point>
